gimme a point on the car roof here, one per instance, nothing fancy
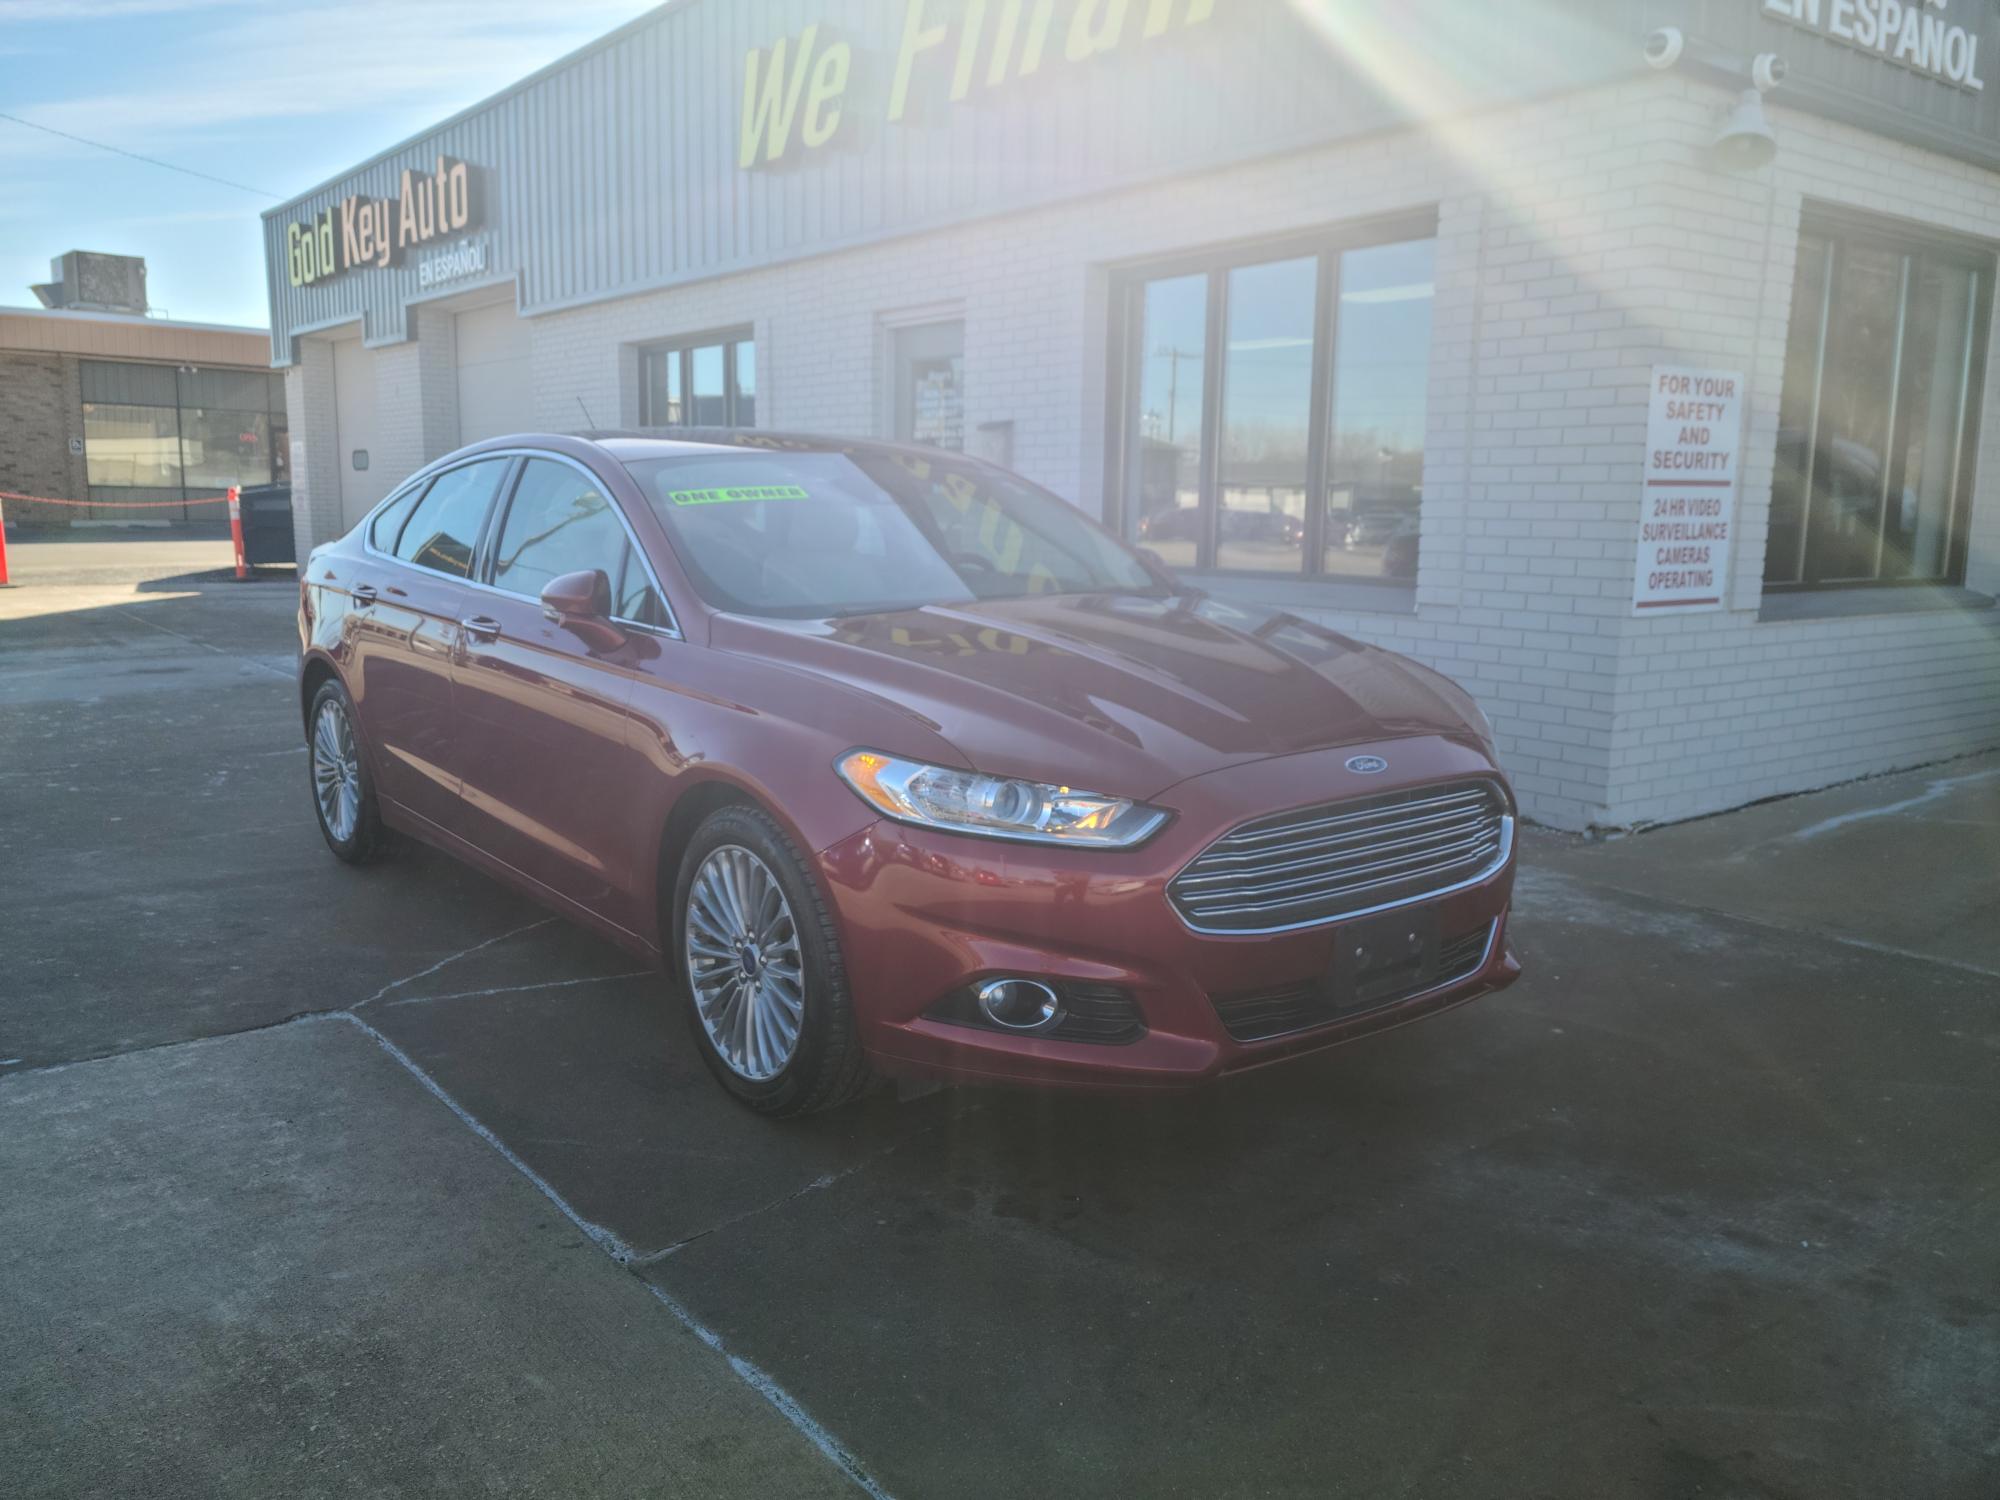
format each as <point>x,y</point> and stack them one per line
<point>630,443</point>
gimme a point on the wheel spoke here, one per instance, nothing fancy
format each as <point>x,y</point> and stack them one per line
<point>739,892</point>
<point>725,894</point>
<point>704,919</point>
<point>706,912</point>
<point>741,1034</point>
<point>776,931</point>
<point>729,1017</point>
<point>758,1029</point>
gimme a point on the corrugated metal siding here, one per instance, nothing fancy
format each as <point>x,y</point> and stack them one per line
<point>616,171</point>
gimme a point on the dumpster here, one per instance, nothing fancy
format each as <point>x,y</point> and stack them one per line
<point>267,524</point>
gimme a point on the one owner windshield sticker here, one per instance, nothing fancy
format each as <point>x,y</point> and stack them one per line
<point>738,494</point>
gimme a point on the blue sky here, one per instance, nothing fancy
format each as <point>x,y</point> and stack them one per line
<point>269,93</point>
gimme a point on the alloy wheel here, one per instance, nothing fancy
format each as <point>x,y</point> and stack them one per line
<point>336,770</point>
<point>744,963</point>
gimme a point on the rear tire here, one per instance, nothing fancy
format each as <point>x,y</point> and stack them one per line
<point>343,792</point>
<point>765,987</point>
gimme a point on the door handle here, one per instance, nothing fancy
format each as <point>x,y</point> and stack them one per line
<point>481,628</point>
<point>363,593</point>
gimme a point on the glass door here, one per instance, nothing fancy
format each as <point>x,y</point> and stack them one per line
<point>930,385</point>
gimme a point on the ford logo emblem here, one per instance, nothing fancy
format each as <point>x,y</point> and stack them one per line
<point>1366,765</point>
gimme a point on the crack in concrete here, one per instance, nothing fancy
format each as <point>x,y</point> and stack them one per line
<point>819,1184</point>
<point>521,989</point>
<point>452,958</point>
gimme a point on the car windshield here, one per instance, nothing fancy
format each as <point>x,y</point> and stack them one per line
<point>807,535</point>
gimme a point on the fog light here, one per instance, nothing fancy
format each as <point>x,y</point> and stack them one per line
<point>1018,1004</point>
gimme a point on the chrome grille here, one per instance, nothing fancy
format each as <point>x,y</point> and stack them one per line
<point>1317,864</point>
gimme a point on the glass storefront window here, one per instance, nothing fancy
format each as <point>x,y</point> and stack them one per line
<point>1274,407</point>
<point>219,447</point>
<point>1163,464</point>
<point>154,432</point>
<point>746,383</point>
<point>1269,313</point>
<point>710,382</point>
<point>1381,369</point>
<point>1882,366</point>
<point>127,447</point>
<point>711,399</point>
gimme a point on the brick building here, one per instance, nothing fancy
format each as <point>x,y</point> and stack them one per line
<point>100,403</point>
<point>1635,379</point>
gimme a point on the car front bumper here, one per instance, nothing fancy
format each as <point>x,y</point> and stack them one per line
<point>925,914</point>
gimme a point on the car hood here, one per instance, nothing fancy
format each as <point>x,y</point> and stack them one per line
<point>1117,693</point>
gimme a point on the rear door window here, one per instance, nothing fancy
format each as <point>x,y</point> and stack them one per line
<point>388,522</point>
<point>443,531</point>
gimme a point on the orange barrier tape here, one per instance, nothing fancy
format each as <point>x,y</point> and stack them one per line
<point>118,504</point>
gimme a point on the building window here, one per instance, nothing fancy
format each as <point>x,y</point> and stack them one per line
<point>1271,403</point>
<point>1876,422</point>
<point>706,382</point>
<point>156,432</point>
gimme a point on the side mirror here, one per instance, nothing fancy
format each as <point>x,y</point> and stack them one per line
<point>584,595</point>
<point>581,603</point>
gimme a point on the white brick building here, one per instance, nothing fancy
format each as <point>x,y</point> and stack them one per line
<point>1329,327</point>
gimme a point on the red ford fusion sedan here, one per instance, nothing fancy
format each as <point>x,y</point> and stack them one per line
<point>899,765</point>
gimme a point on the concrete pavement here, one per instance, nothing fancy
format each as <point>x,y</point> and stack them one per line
<point>1704,1206</point>
<point>273,1265</point>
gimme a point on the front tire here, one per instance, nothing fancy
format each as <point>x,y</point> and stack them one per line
<point>759,964</point>
<point>343,792</point>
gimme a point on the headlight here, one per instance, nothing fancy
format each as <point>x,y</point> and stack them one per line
<point>997,806</point>
<point>1480,723</point>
